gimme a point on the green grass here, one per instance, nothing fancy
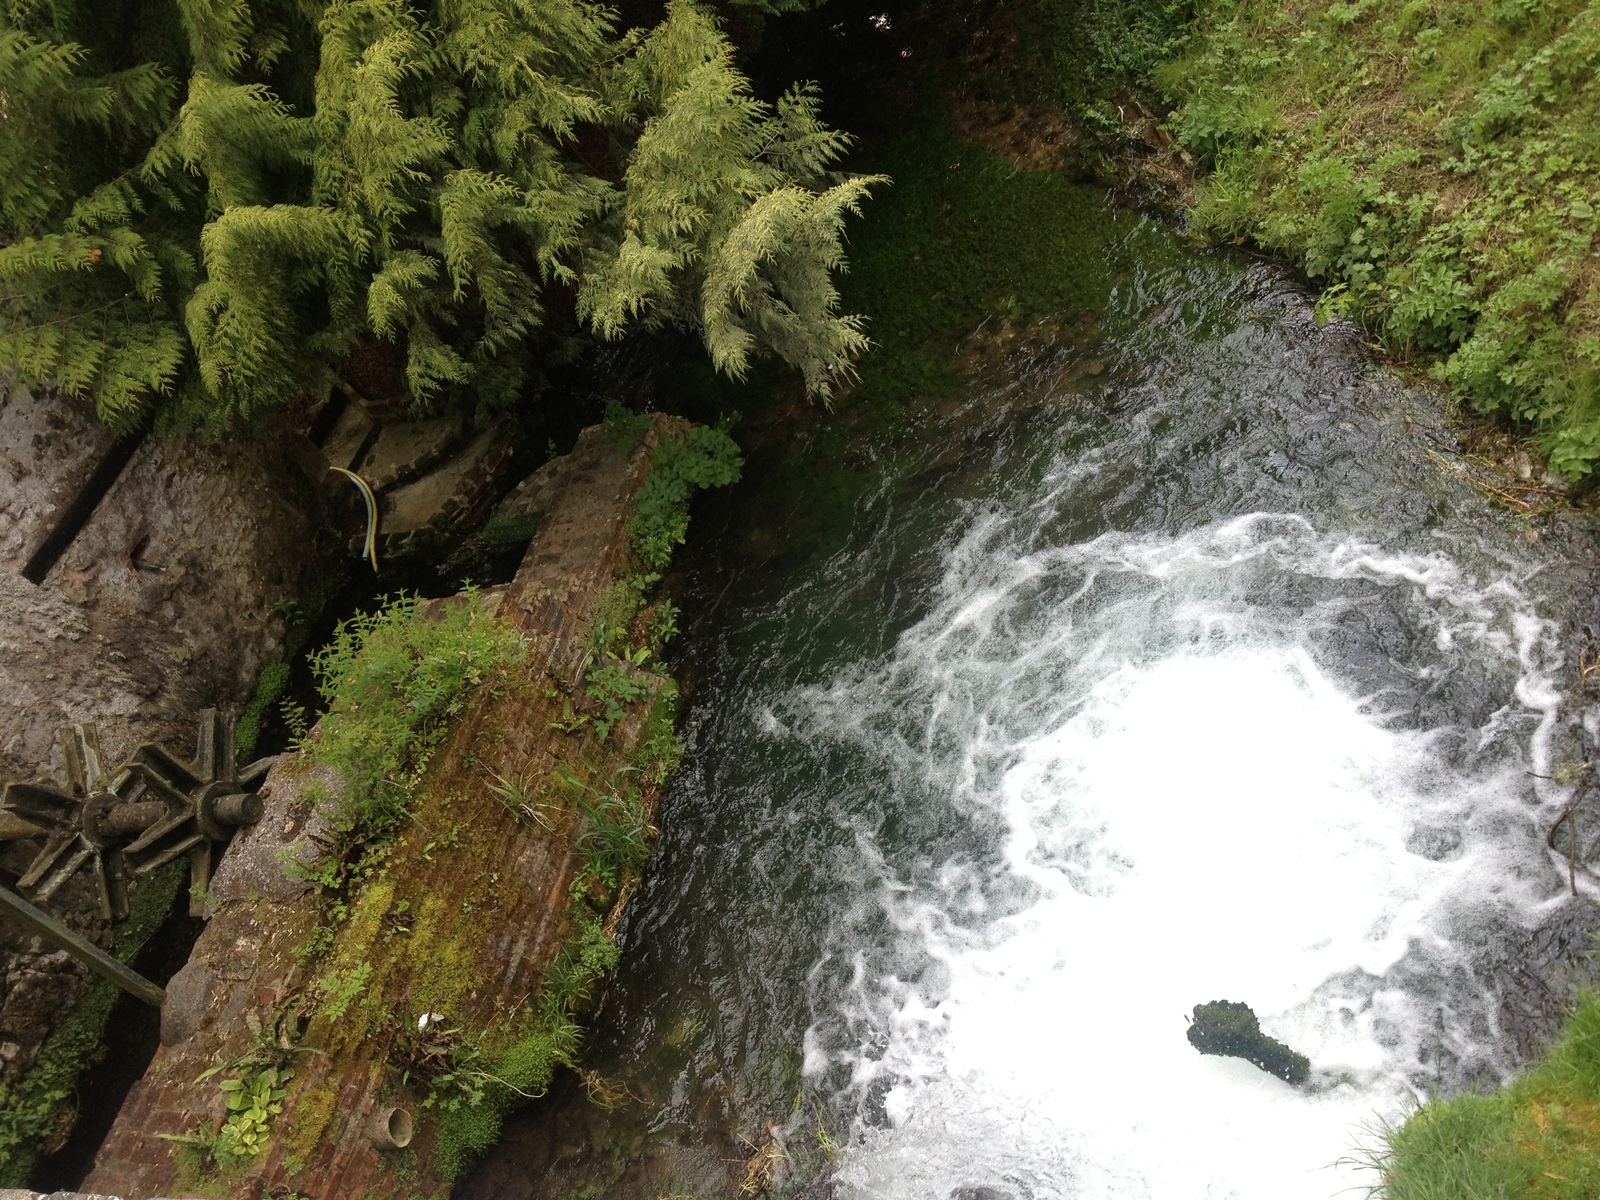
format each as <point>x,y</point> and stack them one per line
<point>1537,1139</point>
<point>1436,167</point>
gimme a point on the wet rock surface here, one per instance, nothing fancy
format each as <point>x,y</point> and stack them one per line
<point>49,444</point>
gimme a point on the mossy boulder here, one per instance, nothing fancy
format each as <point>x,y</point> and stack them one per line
<point>1223,1027</point>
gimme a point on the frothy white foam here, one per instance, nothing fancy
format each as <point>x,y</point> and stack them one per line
<point>1190,806</point>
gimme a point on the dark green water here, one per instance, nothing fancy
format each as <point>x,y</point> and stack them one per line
<point>1159,665</point>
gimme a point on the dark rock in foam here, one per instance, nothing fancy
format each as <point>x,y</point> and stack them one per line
<point>1224,1027</point>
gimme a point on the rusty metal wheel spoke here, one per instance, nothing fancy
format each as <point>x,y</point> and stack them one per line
<point>154,809</point>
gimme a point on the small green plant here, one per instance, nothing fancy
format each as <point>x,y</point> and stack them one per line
<point>339,989</point>
<point>253,1087</point>
<point>296,722</point>
<point>520,802</point>
<point>616,828</point>
<point>570,719</point>
<point>435,1056</point>
<point>625,428</point>
<point>664,623</point>
<point>705,457</point>
<point>583,960</point>
<point>615,614</point>
<point>659,748</point>
<point>612,686</point>
<point>253,1100</point>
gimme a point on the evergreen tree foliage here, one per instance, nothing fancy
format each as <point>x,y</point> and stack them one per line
<point>209,204</point>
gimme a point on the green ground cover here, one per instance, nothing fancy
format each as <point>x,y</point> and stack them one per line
<point>961,236</point>
<point>1535,1138</point>
<point>1434,167</point>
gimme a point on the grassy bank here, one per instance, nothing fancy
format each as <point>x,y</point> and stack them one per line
<point>1535,1138</point>
<point>1434,166</point>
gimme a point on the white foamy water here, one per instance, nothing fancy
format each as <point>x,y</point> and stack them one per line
<point>1196,768</point>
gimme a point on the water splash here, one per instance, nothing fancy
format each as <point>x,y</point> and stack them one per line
<point>1184,789</point>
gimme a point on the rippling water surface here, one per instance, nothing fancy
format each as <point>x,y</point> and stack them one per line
<point>1164,668</point>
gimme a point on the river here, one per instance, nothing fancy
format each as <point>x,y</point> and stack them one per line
<point>1163,666</point>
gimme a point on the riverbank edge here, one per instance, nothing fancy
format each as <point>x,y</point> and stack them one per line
<point>1153,107</point>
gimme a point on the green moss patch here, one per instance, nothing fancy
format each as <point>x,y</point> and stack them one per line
<point>270,687</point>
<point>37,1112</point>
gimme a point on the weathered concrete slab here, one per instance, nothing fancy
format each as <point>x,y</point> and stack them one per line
<point>532,495</point>
<point>491,899</point>
<point>405,449</point>
<point>349,435</point>
<point>584,532</point>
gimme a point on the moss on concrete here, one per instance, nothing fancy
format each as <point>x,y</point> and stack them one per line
<point>1231,1029</point>
<point>38,1112</point>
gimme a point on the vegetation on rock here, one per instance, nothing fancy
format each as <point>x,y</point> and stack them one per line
<point>218,208</point>
<point>38,1112</point>
<point>681,463</point>
<point>1229,1028</point>
<point>392,679</point>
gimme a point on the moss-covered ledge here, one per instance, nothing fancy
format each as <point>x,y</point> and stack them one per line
<point>405,945</point>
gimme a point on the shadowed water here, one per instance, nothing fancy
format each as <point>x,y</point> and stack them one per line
<point>1165,667</point>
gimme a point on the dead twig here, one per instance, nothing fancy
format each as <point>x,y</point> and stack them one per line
<point>1570,818</point>
<point>609,1094</point>
<point>761,1168</point>
<point>1526,507</point>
